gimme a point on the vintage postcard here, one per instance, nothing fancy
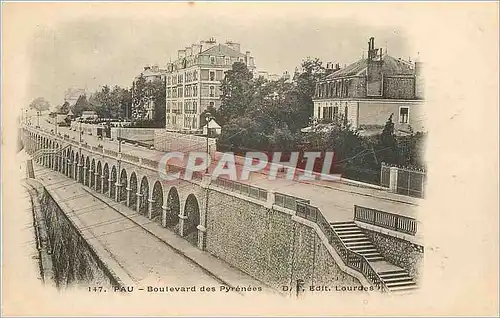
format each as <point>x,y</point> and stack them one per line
<point>249,158</point>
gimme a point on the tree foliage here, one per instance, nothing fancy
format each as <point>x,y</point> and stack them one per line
<point>40,104</point>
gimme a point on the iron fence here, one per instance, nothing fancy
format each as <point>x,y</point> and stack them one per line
<point>386,220</point>
<point>409,181</point>
<point>242,188</point>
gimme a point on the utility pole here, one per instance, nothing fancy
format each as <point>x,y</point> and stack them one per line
<point>38,118</point>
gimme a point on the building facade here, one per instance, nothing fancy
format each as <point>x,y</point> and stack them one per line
<point>193,81</point>
<point>369,90</point>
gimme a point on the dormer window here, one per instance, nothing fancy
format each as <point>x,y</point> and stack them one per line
<point>227,60</point>
<point>212,59</point>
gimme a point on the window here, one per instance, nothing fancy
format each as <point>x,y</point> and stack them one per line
<point>195,91</point>
<point>174,93</point>
<point>195,122</point>
<point>227,60</point>
<point>404,114</point>
<point>211,104</point>
<point>195,106</point>
<point>195,75</point>
<point>212,59</point>
<point>212,76</point>
<point>179,91</point>
<point>168,92</point>
<point>212,91</point>
<point>168,80</point>
<point>335,111</point>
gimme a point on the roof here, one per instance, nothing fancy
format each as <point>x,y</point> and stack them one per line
<point>390,66</point>
<point>221,50</point>
<point>212,124</point>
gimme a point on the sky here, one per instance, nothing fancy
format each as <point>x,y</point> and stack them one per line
<point>104,47</point>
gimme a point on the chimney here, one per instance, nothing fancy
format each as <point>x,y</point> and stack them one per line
<point>147,67</point>
<point>247,57</point>
<point>196,48</point>
<point>189,51</point>
<point>234,46</point>
<point>155,68</point>
<point>181,54</point>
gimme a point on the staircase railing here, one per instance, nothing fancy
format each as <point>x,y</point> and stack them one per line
<point>351,259</point>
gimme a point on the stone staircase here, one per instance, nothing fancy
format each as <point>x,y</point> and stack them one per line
<point>394,277</point>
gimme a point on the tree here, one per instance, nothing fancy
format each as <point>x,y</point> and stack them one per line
<point>63,109</point>
<point>157,95</point>
<point>387,147</point>
<point>139,98</point>
<point>40,104</point>
<point>81,105</point>
<point>237,92</point>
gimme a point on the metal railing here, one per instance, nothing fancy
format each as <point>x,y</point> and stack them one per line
<point>242,188</point>
<point>350,258</point>
<point>288,201</point>
<point>111,152</point>
<point>130,157</point>
<point>386,220</point>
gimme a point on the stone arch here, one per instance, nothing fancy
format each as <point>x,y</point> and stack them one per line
<point>143,198</point>
<point>133,191</point>
<point>192,214</point>
<point>64,161</point>
<point>57,165</point>
<point>87,171</point>
<point>122,195</point>
<point>173,209</point>
<point>112,183</point>
<point>157,202</point>
<point>98,183</point>
<point>77,162</point>
<point>92,174</point>
<point>73,169</point>
<point>80,169</point>
<point>105,182</point>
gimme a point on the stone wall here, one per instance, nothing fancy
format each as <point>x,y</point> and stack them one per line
<point>399,87</point>
<point>399,252</point>
<point>137,134</point>
<point>268,245</point>
<point>74,262</point>
<point>172,141</point>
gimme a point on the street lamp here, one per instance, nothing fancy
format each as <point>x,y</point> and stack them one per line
<point>208,118</point>
<point>119,135</point>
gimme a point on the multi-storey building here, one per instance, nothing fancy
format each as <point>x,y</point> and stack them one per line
<point>369,90</point>
<point>193,81</point>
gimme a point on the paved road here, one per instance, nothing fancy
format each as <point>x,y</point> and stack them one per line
<point>335,200</point>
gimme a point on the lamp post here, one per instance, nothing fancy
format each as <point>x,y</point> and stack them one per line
<point>208,118</point>
<point>119,135</point>
<point>38,119</point>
